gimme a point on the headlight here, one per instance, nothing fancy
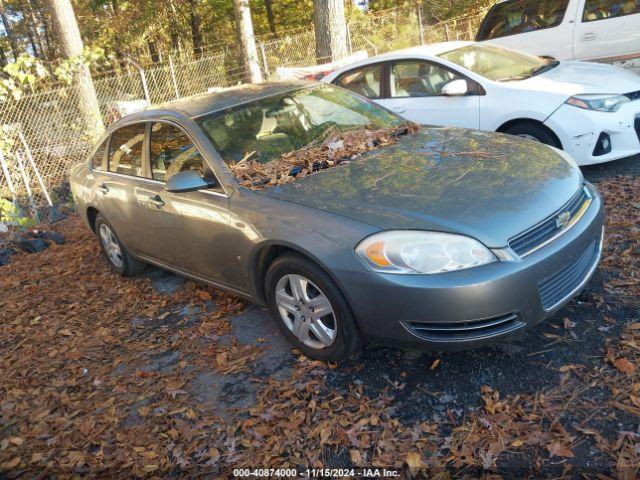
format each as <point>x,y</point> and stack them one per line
<point>415,252</point>
<point>601,103</point>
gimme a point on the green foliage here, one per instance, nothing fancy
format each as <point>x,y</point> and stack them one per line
<point>11,217</point>
<point>20,76</point>
<point>68,67</point>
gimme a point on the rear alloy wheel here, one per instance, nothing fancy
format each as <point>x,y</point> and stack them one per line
<point>310,310</point>
<point>119,258</point>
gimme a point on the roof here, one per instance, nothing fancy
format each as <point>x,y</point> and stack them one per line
<point>429,50</point>
<point>204,103</point>
<point>432,49</point>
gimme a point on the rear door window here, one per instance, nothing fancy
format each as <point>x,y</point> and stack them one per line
<point>418,79</point>
<point>125,150</point>
<point>365,81</point>
<point>521,16</point>
<point>97,161</point>
<point>604,9</point>
<point>173,151</point>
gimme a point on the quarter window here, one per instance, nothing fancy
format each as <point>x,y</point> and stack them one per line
<point>419,79</point>
<point>125,150</point>
<point>97,161</point>
<point>172,151</point>
<point>365,81</point>
<point>521,16</point>
<point>604,9</point>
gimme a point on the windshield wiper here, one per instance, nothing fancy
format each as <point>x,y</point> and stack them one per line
<point>545,68</point>
<point>536,71</point>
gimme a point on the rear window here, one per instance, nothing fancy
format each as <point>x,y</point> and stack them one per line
<point>521,16</point>
<point>364,81</point>
<point>604,9</point>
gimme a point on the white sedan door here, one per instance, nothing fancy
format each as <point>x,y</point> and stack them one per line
<point>415,92</point>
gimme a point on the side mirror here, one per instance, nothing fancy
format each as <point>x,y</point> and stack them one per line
<point>455,88</point>
<point>189,181</point>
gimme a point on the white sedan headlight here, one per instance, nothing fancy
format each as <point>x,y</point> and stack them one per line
<point>416,252</point>
<point>600,103</point>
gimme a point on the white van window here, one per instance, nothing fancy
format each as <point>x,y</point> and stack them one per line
<point>604,9</point>
<point>520,16</point>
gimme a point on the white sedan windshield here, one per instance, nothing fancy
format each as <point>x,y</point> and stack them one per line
<point>498,64</point>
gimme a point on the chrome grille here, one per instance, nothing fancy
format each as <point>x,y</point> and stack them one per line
<point>537,236</point>
<point>557,288</point>
<point>471,330</point>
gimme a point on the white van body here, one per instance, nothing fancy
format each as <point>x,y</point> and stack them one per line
<point>603,30</point>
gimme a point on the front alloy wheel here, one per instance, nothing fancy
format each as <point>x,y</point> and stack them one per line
<point>310,309</point>
<point>306,311</point>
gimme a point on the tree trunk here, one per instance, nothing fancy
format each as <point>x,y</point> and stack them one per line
<point>247,40</point>
<point>10,34</point>
<point>51,49</point>
<point>196,33</point>
<point>175,30</point>
<point>35,25</point>
<point>270,18</point>
<point>153,51</point>
<point>3,58</point>
<point>66,26</point>
<point>331,30</point>
<point>32,42</point>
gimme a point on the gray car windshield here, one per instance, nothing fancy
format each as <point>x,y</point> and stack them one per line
<point>498,64</point>
<point>265,129</point>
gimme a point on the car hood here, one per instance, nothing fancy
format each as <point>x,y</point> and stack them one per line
<point>573,77</point>
<point>486,185</point>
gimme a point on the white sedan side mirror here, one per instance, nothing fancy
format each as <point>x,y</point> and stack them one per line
<point>455,88</point>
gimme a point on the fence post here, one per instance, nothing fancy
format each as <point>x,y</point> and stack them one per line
<point>145,88</point>
<point>35,168</point>
<point>27,186</point>
<point>265,64</point>
<point>446,31</point>
<point>349,42</point>
<point>173,77</point>
<point>5,170</point>
<point>420,24</point>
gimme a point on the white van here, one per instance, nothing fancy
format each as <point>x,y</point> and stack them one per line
<point>607,30</point>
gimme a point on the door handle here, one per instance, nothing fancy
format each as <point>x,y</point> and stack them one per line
<point>589,36</point>
<point>399,109</point>
<point>156,201</point>
<point>103,189</point>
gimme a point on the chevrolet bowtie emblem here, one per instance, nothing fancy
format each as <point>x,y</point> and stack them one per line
<point>562,220</point>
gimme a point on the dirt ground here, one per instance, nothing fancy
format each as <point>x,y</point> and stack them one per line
<point>162,377</point>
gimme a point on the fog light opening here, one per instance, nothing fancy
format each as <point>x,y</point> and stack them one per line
<point>603,145</point>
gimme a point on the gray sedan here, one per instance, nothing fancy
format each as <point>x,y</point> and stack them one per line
<point>441,239</point>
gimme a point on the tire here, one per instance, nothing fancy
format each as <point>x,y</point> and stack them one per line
<point>117,255</point>
<point>280,281</point>
<point>535,132</point>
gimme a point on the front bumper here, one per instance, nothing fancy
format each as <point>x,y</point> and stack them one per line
<point>579,129</point>
<point>471,308</point>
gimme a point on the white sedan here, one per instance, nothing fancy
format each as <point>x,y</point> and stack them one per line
<point>590,110</point>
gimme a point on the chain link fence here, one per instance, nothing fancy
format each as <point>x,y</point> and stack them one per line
<point>41,135</point>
